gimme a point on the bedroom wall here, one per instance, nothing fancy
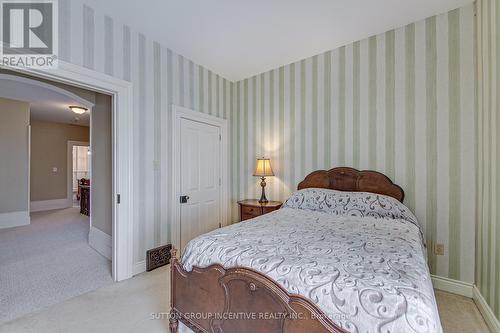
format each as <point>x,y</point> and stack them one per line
<point>160,77</point>
<point>488,153</point>
<point>401,103</point>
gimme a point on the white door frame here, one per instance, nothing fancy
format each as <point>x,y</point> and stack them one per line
<point>69,168</point>
<point>122,151</point>
<point>179,113</point>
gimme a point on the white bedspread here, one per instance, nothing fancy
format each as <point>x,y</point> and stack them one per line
<point>366,274</point>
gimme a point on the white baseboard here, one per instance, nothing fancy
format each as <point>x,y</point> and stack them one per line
<point>484,308</point>
<point>39,206</point>
<point>14,219</point>
<point>452,286</point>
<point>139,267</point>
<point>101,242</point>
<point>468,290</point>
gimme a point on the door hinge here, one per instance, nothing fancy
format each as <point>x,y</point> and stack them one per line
<point>220,181</point>
<point>118,199</point>
<point>220,137</point>
<point>220,225</point>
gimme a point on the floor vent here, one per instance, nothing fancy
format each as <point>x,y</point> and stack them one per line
<point>158,257</point>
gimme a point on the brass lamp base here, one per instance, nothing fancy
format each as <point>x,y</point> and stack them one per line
<point>263,198</point>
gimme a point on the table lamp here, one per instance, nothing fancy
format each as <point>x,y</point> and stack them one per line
<point>263,169</point>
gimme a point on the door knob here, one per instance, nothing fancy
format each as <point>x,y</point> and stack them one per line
<point>184,198</point>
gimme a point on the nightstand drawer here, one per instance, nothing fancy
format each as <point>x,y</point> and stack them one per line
<point>266,210</point>
<point>251,208</point>
<point>253,211</point>
<point>247,217</point>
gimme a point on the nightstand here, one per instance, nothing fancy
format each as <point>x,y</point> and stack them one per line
<point>252,208</point>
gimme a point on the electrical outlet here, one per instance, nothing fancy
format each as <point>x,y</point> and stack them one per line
<point>439,249</point>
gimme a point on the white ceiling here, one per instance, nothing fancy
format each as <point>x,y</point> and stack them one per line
<point>238,39</point>
<point>45,104</point>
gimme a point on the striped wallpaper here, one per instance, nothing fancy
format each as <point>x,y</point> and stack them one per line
<point>160,78</point>
<point>401,103</point>
<point>488,153</point>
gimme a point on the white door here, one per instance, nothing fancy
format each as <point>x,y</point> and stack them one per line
<point>200,174</point>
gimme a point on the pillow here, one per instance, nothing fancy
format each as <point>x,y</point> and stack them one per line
<point>342,203</point>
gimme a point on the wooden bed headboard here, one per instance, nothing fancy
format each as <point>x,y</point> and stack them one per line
<point>349,179</point>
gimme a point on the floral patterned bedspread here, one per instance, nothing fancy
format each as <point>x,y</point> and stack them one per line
<point>366,271</point>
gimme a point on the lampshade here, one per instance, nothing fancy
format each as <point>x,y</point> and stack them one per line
<point>263,168</point>
<point>78,109</point>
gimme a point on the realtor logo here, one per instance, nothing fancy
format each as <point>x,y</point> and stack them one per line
<point>29,33</point>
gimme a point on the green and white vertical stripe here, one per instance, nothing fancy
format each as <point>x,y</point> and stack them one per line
<point>488,152</point>
<point>160,78</point>
<point>401,103</point>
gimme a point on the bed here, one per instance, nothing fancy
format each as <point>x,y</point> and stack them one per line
<point>342,255</point>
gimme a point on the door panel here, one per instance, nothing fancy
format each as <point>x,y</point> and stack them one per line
<point>200,173</point>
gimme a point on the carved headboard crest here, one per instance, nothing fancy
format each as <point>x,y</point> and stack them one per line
<point>349,179</point>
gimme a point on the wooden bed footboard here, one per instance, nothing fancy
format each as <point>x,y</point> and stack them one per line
<point>219,300</point>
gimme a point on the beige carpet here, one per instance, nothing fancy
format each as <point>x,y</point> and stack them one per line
<point>123,307</point>
<point>48,262</point>
<point>459,314</point>
<point>137,305</point>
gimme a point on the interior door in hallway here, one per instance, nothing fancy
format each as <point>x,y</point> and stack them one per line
<point>200,175</point>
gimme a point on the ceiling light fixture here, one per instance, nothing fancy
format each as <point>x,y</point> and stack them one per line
<point>78,109</point>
